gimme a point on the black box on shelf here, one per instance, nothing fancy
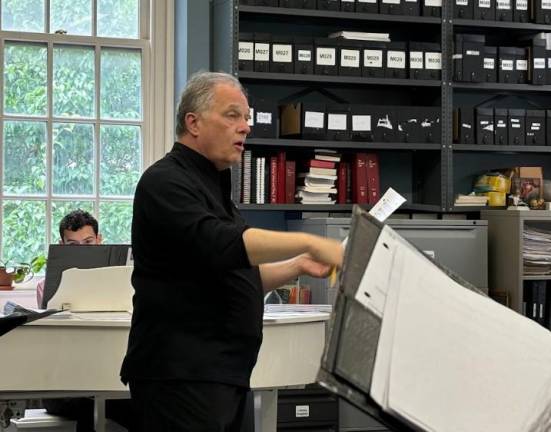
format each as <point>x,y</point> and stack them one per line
<point>416,60</point>
<point>265,119</point>
<point>464,125</point>
<point>541,13</point>
<point>507,58</point>
<point>303,55</point>
<point>432,8</point>
<point>391,7</point>
<point>516,126</point>
<point>409,124</point>
<point>411,8</point>
<point>537,62</point>
<point>535,127</point>
<point>326,56</point>
<point>245,56</point>
<point>463,9</point>
<point>484,10</point>
<point>350,57</point>
<point>367,6</point>
<point>246,2</point>
<point>521,12</point>
<point>429,120</point>
<point>489,64</point>
<point>298,4</point>
<point>433,61</point>
<point>338,122</point>
<point>362,123</point>
<point>262,52</point>
<point>472,53</point>
<point>547,66</point>
<point>329,5</point>
<point>521,65</point>
<point>501,120</point>
<point>548,127</point>
<point>302,120</point>
<point>457,58</point>
<point>252,116</point>
<point>273,3</point>
<point>374,59</point>
<point>384,124</point>
<point>504,10</point>
<point>282,55</point>
<point>485,126</point>
<point>396,60</point>
<point>348,5</point>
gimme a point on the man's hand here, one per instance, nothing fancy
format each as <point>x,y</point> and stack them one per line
<point>308,266</point>
<point>326,251</point>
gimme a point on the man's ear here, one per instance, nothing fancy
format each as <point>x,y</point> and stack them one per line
<point>192,120</point>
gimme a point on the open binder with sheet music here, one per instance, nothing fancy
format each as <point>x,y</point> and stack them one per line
<point>418,348</point>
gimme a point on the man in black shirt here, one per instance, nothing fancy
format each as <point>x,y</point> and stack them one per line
<point>200,272</point>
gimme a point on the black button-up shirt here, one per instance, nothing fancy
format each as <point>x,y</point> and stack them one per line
<point>198,303</point>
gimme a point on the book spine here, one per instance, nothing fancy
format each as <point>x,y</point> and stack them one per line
<point>281,177</point>
<point>290,176</point>
<point>273,180</point>
<point>372,168</point>
<point>341,183</point>
<point>359,179</point>
<point>246,184</point>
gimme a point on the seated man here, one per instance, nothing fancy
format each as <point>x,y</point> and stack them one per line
<point>77,228</point>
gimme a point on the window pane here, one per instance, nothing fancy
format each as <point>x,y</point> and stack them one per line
<point>121,157</point>
<point>61,208</point>
<point>24,157</point>
<point>25,79</point>
<point>74,82</point>
<point>115,219</point>
<point>23,15</point>
<point>121,84</point>
<point>73,16</point>
<point>118,18</point>
<point>23,230</point>
<point>73,159</point>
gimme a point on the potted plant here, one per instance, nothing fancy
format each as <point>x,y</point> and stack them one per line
<point>19,272</point>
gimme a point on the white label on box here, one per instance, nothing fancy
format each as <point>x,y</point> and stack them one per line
<point>350,58</point>
<point>535,126</point>
<point>515,125</point>
<point>504,4</point>
<point>282,53</point>
<point>462,2</point>
<point>522,5</point>
<point>539,63</point>
<point>313,119</point>
<point>373,58</point>
<point>416,59</point>
<point>506,65</point>
<point>490,127</point>
<point>549,63</point>
<point>336,121</point>
<point>325,56</point>
<point>433,60</point>
<point>466,125</point>
<point>304,55</point>
<point>489,63</point>
<point>246,51</point>
<point>361,123</point>
<point>546,4</point>
<point>250,121</point>
<point>485,4</point>
<point>396,59</point>
<point>347,1</point>
<point>264,117</point>
<point>262,51</point>
<point>367,1</point>
<point>302,411</point>
<point>457,56</point>
<point>433,3</point>
<point>501,124</point>
<point>391,1</point>
<point>522,65</point>
<point>472,52</point>
<point>411,1</point>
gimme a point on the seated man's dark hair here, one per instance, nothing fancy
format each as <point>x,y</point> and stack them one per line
<point>76,220</point>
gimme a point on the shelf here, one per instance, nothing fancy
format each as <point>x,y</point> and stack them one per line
<point>341,144</point>
<point>536,278</point>
<point>502,87</point>
<point>501,148</point>
<point>329,207</point>
<point>338,79</point>
<point>508,25</point>
<point>466,209</point>
<point>337,15</point>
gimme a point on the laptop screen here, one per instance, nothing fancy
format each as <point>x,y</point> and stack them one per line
<point>63,257</point>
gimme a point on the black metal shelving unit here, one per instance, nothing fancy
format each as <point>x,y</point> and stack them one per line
<point>270,142</point>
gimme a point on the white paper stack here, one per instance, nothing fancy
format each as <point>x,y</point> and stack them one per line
<point>536,251</point>
<point>316,185</point>
<point>363,36</point>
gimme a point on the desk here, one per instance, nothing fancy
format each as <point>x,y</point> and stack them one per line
<point>84,356</point>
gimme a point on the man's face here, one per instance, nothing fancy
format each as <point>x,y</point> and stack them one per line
<point>83,236</point>
<point>222,129</point>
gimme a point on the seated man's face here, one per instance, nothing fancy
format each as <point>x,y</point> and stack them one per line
<point>83,236</point>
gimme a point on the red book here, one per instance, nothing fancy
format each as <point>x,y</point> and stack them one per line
<point>315,163</point>
<point>281,177</point>
<point>359,179</point>
<point>341,182</point>
<point>273,180</point>
<point>290,176</point>
<point>373,189</point>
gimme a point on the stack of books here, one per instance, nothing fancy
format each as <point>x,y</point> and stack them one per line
<point>316,181</point>
<point>470,200</point>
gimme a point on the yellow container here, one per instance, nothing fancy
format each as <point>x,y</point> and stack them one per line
<point>496,199</point>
